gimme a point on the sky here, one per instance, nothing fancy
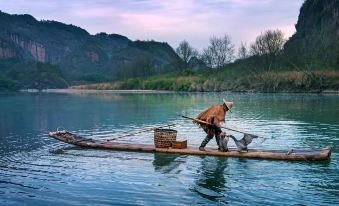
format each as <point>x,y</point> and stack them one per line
<point>169,21</point>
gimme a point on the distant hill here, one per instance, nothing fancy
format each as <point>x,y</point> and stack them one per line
<point>309,62</point>
<point>76,55</point>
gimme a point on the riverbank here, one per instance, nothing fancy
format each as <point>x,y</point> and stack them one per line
<point>278,81</point>
<point>93,91</point>
<point>128,91</point>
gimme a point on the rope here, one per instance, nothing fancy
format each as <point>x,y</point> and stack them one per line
<point>138,132</point>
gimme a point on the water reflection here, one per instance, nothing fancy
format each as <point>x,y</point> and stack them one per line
<point>211,181</point>
<point>167,163</point>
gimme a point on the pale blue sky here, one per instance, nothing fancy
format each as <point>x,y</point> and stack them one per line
<point>167,21</point>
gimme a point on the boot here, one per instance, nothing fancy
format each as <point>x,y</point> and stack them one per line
<point>217,139</point>
<point>204,143</point>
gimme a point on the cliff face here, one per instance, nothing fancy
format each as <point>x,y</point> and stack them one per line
<point>80,54</point>
<point>318,16</point>
<point>5,50</point>
<point>36,50</point>
<point>317,33</point>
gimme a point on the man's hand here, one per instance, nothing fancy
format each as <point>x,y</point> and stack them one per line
<point>217,124</point>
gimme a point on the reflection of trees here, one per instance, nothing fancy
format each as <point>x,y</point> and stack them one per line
<point>211,181</point>
<point>165,163</point>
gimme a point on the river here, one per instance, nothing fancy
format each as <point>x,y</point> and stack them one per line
<point>38,170</point>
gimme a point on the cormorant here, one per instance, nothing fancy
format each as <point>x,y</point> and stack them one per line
<point>242,144</point>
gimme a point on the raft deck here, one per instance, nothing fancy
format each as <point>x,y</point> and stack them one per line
<point>298,155</point>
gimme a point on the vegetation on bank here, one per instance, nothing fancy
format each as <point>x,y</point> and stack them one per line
<point>28,75</point>
<point>231,80</point>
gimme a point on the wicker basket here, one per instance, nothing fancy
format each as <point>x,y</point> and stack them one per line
<point>163,138</point>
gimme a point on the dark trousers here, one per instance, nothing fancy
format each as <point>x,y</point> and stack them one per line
<point>211,132</point>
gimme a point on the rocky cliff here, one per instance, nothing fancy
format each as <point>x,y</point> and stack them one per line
<point>82,56</point>
<point>6,50</point>
<point>317,34</point>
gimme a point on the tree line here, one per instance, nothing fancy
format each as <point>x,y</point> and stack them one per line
<point>221,50</point>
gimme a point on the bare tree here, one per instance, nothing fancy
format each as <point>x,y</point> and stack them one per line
<point>242,51</point>
<point>185,51</point>
<point>219,52</point>
<point>269,43</point>
<point>207,57</point>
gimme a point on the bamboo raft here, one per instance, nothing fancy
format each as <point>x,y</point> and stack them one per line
<point>296,155</point>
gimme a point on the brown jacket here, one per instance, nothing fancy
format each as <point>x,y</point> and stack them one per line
<point>213,115</point>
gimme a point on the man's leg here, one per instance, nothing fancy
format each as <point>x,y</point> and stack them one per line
<point>204,143</point>
<point>217,139</point>
<point>218,132</point>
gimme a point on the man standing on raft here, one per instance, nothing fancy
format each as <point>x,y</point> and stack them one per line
<point>214,115</point>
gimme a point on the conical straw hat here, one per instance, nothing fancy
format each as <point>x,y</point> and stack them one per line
<point>228,104</point>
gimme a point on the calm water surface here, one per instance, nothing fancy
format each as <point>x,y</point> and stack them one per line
<point>38,170</point>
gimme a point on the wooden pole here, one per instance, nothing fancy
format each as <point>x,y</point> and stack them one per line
<point>141,131</point>
<point>204,122</point>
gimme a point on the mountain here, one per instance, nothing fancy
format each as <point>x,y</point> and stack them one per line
<point>76,55</point>
<point>316,40</point>
<point>309,62</point>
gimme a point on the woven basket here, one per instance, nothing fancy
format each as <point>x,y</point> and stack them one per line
<point>163,138</point>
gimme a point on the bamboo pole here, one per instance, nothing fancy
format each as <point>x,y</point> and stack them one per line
<point>204,122</point>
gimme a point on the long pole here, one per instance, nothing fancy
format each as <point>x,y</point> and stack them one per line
<point>141,131</point>
<point>204,122</point>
